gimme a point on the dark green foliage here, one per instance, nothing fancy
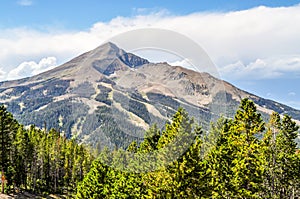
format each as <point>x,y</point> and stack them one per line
<point>35,103</point>
<point>150,142</point>
<point>39,161</point>
<point>229,162</point>
<point>8,130</point>
<point>140,110</point>
<point>84,89</point>
<point>93,185</point>
<point>163,100</point>
<point>19,90</point>
<point>67,109</point>
<point>122,181</point>
<point>279,108</point>
<point>103,96</point>
<point>179,161</point>
<point>224,100</point>
<point>114,127</point>
<point>34,97</point>
<point>134,104</point>
<point>107,81</point>
<point>137,96</point>
<point>282,163</point>
<point>202,115</point>
<point>120,98</point>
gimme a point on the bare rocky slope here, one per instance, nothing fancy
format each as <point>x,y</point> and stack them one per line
<point>109,96</point>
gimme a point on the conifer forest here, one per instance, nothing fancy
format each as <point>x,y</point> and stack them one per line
<point>240,157</point>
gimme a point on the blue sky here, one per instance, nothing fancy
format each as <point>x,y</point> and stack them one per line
<point>254,44</point>
<point>81,14</point>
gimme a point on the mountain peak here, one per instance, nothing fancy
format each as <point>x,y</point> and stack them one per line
<point>90,99</point>
<point>103,60</point>
<point>109,58</point>
<point>107,50</point>
<point>109,45</point>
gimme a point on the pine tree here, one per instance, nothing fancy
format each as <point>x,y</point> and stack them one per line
<point>69,184</point>
<point>151,139</point>
<point>235,162</point>
<point>8,128</point>
<point>21,157</point>
<point>270,154</point>
<point>281,176</point>
<point>219,163</point>
<point>248,163</point>
<point>177,147</point>
<point>95,183</point>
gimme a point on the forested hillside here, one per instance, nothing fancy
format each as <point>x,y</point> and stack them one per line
<point>127,92</point>
<point>38,161</point>
<point>243,157</point>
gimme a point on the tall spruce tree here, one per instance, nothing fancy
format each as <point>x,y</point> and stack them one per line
<point>235,162</point>
<point>8,128</point>
<point>281,176</point>
<point>21,157</point>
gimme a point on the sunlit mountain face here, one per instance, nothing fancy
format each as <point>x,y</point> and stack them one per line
<point>108,97</point>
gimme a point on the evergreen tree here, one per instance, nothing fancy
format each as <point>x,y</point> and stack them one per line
<point>95,183</point>
<point>235,162</point>
<point>22,157</point>
<point>178,173</point>
<point>8,128</point>
<point>281,176</point>
<point>150,142</point>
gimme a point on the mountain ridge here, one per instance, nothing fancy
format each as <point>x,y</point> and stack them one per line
<point>101,95</point>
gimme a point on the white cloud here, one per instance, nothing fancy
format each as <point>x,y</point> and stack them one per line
<point>25,2</point>
<point>184,62</point>
<point>22,44</point>
<point>257,43</point>
<point>269,68</point>
<point>2,74</point>
<point>27,69</point>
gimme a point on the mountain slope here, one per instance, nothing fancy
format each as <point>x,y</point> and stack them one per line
<point>109,96</point>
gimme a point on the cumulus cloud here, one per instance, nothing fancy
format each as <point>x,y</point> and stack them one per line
<point>25,2</point>
<point>21,44</point>
<point>260,42</point>
<point>27,69</point>
<point>269,68</point>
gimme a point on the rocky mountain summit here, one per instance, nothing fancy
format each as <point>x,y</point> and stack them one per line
<point>111,97</point>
